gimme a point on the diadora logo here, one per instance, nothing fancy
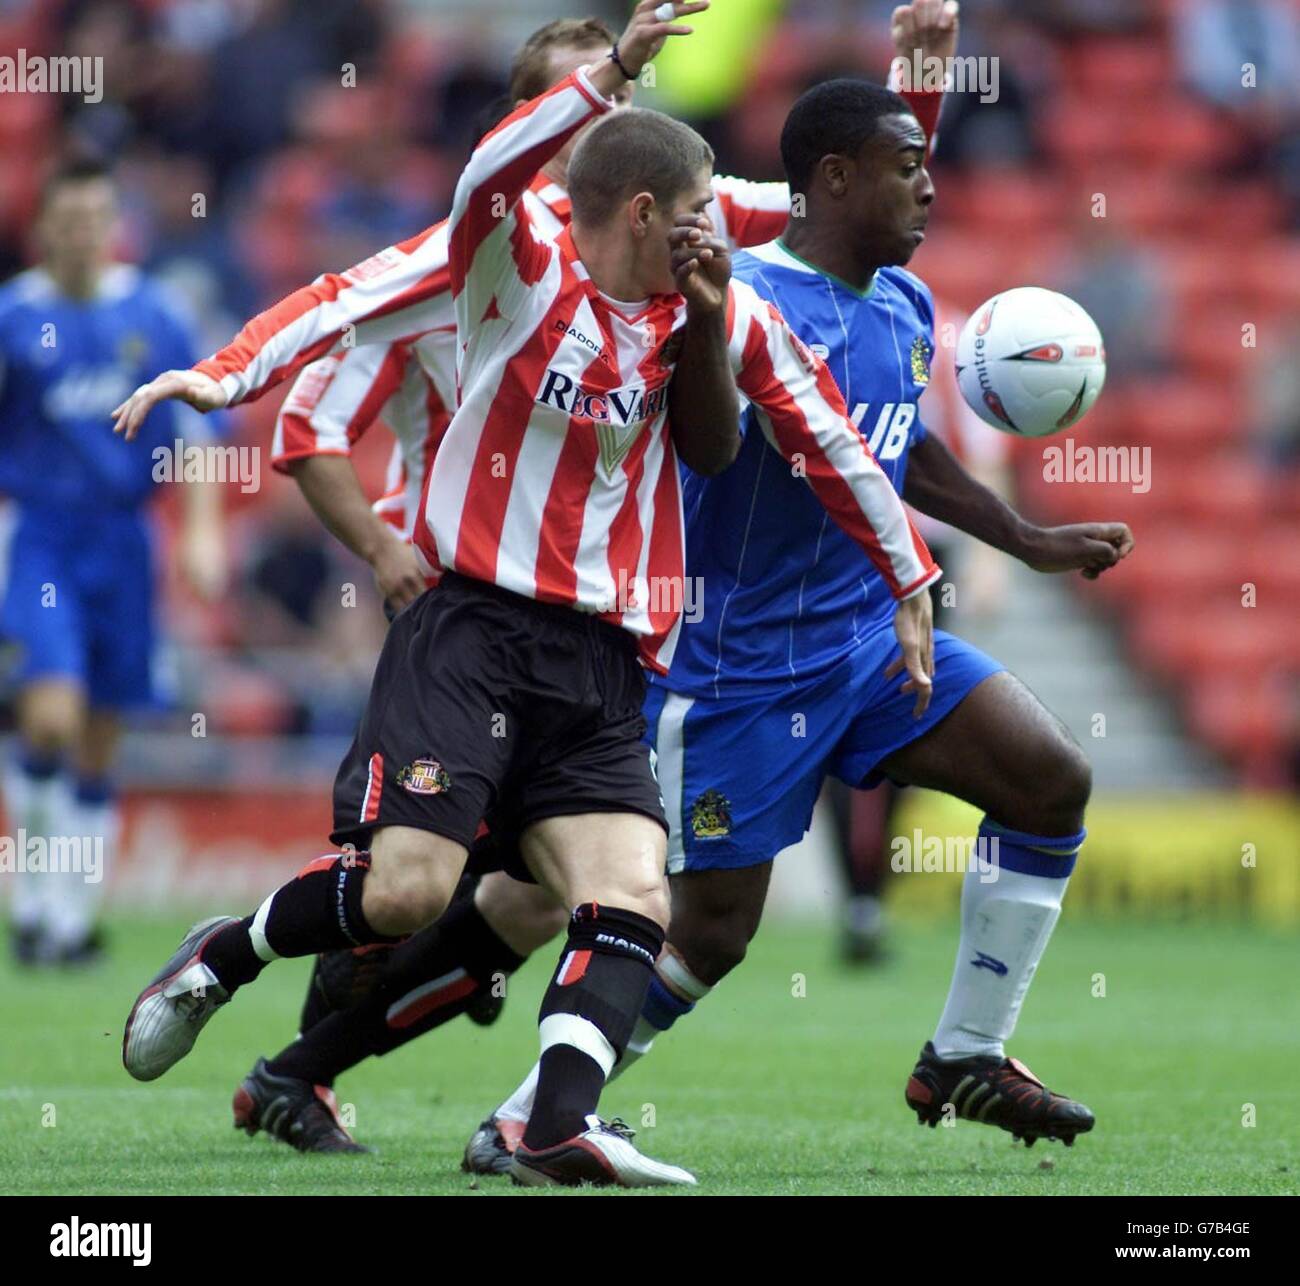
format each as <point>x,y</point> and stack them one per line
<point>991,963</point>
<point>622,944</point>
<point>617,414</point>
<point>889,432</point>
<point>574,333</point>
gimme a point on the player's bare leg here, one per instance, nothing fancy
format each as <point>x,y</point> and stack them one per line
<point>1003,751</point>
<point>402,884</point>
<point>609,868</point>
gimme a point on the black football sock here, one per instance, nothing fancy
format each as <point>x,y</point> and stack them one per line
<point>588,1014</point>
<point>319,910</point>
<point>426,981</point>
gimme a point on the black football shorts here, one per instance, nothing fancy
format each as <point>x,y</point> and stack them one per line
<point>489,705</point>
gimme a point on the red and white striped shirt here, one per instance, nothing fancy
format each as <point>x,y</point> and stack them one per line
<point>336,398</point>
<point>557,478</point>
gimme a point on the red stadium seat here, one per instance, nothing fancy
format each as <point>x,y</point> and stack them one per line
<point>1177,411</point>
<point>1119,65</point>
<point>1251,720</point>
<point>1273,555</point>
<point>1004,204</point>
<point>1227,494</point>
<point>1182,563</point>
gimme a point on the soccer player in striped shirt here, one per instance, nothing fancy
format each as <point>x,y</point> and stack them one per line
<point>802,646</point>
<point>411,381</point>
<point>491,926</point>
<point>554,510</point>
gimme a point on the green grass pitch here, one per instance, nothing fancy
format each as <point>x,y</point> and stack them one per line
<point>762,1090</point>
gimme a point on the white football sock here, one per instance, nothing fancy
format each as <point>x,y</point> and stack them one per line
<point>638,1046</point>
<point>96,828</point>
<point>1005,927</point>
<point>35,806</point>
<point>519,1106</point>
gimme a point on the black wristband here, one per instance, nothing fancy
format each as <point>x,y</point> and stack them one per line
<point>618,62</point>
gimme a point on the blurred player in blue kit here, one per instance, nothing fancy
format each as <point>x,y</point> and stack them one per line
<point>77,333</point>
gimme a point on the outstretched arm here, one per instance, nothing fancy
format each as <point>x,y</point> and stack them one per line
<point>937,485</point>
<point>401,292</point>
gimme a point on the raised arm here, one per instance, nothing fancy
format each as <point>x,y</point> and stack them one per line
<point>493,252</point>
<point>745,213</point>
<point>703,408</point>
<point>928,30</point>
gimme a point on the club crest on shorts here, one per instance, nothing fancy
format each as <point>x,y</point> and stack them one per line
<point>921,354</point>
<point>711,815</point>
<point>424,777</point>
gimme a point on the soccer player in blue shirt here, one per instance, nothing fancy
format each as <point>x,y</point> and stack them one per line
<point>77,333</point>
<point>790,674</point>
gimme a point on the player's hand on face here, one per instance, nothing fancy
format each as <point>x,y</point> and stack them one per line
<point>646,33</point>
<point>201,391</point>
<point>397,574</point>
<point>914,629</point>
<point>701,263</point>
<point>930,26</point>
<point>1089,547</point>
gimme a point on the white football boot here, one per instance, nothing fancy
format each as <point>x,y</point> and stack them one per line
<point>602,1154</point>
<point>169,1013</point>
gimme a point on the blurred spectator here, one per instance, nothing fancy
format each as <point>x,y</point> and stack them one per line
<point>1220,41</point>
<point>1276,421</point>
<point>1244,57</point>
<point>1125,291</point>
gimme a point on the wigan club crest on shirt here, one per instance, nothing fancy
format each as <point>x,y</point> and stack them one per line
<point>424,777</point>
<point>711,815</point>
<point>921,354</point>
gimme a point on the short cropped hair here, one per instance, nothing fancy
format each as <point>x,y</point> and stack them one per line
<point>629,151</point>
<point>75,169</point>
<point>833,118</point>
<point>530,73</point>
